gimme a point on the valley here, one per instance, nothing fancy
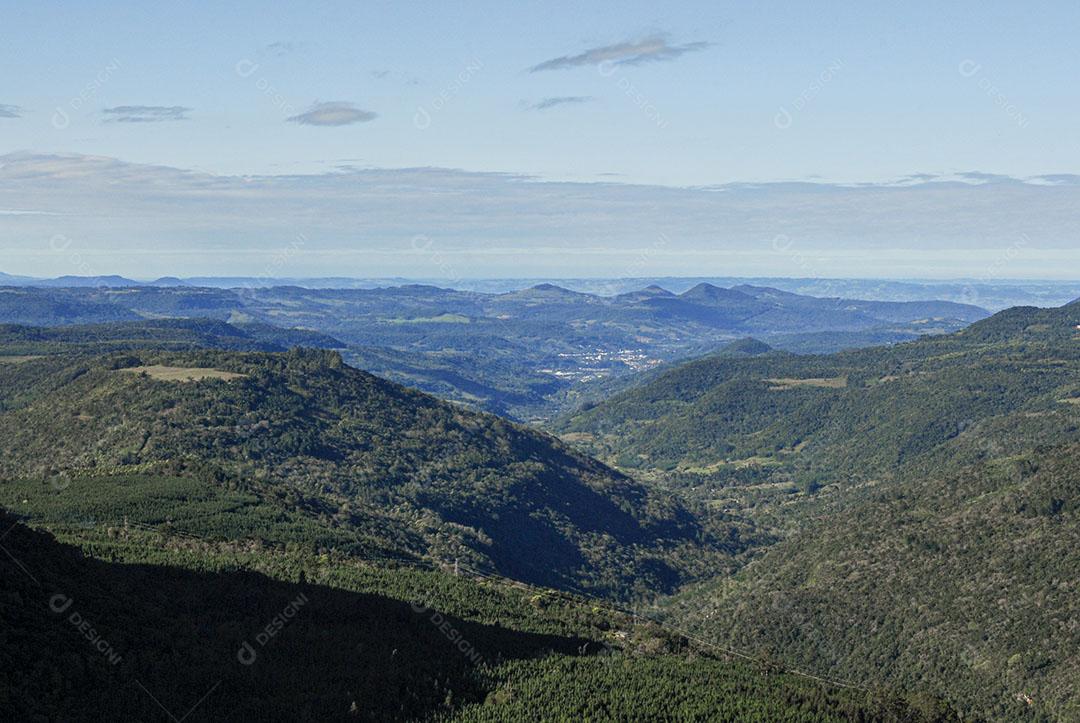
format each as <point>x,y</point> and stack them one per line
<point>710,519</point>
<point>527,354</point>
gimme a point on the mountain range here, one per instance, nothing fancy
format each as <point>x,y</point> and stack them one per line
<point>526,354</point>
<point>882,533</point>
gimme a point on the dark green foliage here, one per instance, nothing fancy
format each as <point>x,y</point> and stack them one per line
<point>927,508</point>
<point>220,643</point>
<point>305,435</point>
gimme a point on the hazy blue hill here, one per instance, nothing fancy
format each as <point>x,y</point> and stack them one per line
<point>87,282</point>
<point>195,333</point>
<point>44,307</point>
<point>649,292</point>
<point>715,296</point>
<point>893,311</point>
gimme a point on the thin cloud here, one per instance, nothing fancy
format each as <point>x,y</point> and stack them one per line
<point>653,49</point>
<point>10,111</point>
<point>281,48</point>
<point>335,113</point>
<point>561,100</point>
<point>146,113</point>
<point>20,212</point>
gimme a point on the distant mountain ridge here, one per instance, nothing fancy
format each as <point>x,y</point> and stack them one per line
<point>740,307</point>
<point>994,294</point>
<point>524,353</point>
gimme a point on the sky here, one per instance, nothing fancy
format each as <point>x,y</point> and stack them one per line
<point>525,139</point>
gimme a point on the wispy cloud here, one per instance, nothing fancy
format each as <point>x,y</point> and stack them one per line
<point>10,111</point>
<point>281,48</point>
<point>394,75</point>
<point>334,113</point>
<point>20,212</point>
<point>367,218</point>
<point>146,113</point>
<point>560,100</point>
<point>652,49</point>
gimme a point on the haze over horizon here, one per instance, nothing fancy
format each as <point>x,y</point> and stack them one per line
<point>924,142</point>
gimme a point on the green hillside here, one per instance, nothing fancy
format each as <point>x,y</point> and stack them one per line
<point>189,630</point>
<point>959,580</point>
<point>301,442</point>
<point>856,412</point>
<point>925,496</point>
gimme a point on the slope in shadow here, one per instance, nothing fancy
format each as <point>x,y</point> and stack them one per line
<point>84,639</point>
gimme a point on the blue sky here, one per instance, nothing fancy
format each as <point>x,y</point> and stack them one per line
<point>665,98</point>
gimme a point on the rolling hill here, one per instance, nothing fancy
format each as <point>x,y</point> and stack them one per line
<point>197,631</point>
<point>524,354</point>
<point>925,496</point>
<point>302,440</point>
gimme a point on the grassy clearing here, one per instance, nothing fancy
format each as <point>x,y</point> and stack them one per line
<point>182,374</point>
<point>755,461</point>
<point>781,384</point>
<point>440,319</point>
<point>13,359</point>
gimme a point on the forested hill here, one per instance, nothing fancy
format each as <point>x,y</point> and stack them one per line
<point>157,334</point>
<point>927,494</point>
<point>958,579</point>
<point>832,417</point>
<point>178,632</point>
<point>356,461</point>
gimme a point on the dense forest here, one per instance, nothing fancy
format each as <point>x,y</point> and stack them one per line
<point>877,534</point>
<point>925,496</point>
<point>216,633</point>
<point>355,456</point>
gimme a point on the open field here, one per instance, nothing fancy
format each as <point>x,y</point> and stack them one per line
<point>183,374</point>
<point>821,382</point>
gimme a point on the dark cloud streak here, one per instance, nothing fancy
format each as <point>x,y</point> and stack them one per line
<point>146,113</point>
<point>653,49</point>
<point>561,100</point>
<point>333,113</point>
